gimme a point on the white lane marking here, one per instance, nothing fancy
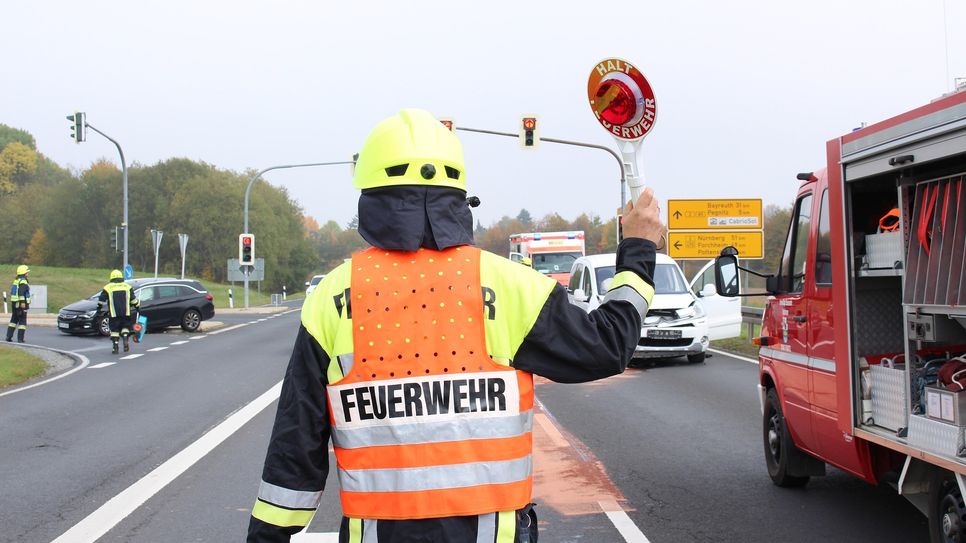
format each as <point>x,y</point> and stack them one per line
<point>302,537</point>
<point>84,363</point>
<point>737,356</point>
<point>156,349</point>
<point>179,342</point>
<point>252,322</point>
<point>101,365</point>
<point>628,530</point>
<point>88,349</point>
<point>230,328</point>
<point>196,337</point>
<point>262,320</point>
<point>119,507</point>
<point>132,356</point>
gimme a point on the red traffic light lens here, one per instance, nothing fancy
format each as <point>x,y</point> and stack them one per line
<point>246,241</point>
<point>529,123</point>
<point>615,102</point>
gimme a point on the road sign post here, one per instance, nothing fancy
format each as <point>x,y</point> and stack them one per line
<point>156,239</point>
<point>183,243</point>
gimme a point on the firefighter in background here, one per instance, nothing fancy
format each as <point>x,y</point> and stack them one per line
<point>20,303</point>
<point>417,359</point>
<point>121,305</point>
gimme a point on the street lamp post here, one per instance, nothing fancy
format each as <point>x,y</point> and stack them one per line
<point>248,190</point>
<point>124,225</point>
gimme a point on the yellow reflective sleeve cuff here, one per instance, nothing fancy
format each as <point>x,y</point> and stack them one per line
<point>279,516</point>
<point>514,300</point>
<point>628,286</point>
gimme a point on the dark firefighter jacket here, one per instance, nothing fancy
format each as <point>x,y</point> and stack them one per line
<point>119,297</point>
<point>542,333</point>
<point>530,325</point>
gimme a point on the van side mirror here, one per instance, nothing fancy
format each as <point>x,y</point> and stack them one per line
<point>726,275</point>
<point>708,290</point>
<point>580,295</point>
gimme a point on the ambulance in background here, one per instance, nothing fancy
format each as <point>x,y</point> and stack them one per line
<point>863,338</point>
<point>551,253</point>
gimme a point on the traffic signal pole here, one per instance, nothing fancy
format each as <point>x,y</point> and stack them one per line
<point>248,190</point>
<point>620,161</point>
<point>120,151</point>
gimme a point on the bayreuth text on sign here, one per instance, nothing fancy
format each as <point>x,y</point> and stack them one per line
<point>714,214</point>
<point>704,245</point>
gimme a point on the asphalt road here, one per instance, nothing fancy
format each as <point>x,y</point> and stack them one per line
<point>675,446</point>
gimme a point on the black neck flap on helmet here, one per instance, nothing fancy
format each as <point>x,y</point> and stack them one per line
<point>407,217</point>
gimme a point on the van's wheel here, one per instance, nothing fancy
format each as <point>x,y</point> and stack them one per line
<point>191,320</point>
<point>778,444</point>
<point>696,358</point>
<point>947,511</point>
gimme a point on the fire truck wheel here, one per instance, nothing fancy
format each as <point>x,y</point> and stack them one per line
<point>947,511</point>
<point>778,444</point>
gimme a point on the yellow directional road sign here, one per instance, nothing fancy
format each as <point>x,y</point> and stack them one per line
<point>714,214</point>
<point>701,245</point>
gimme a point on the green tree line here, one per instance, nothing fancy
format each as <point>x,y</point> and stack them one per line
<point>52,216</point>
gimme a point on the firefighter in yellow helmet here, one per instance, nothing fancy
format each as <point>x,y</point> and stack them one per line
<point>121,307</point>
<point>20,303</point>
<point>417,360</point>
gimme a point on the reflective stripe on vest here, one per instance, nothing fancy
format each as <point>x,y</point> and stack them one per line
<point>15,290</point>
<point>118,299</point>
<point>425,424</point>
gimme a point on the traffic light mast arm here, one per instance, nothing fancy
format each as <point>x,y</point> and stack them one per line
<point>255,177</point>
<point>620,162</point>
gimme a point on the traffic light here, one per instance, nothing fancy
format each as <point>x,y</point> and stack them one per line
<point>620,227</point>
<point>529,136</point>
<point>448,123</point>
<point>77,129</point>
<point>246,250</point>
<point>114,238</point>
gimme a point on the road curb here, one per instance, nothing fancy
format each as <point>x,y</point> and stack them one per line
<point>80,362</point>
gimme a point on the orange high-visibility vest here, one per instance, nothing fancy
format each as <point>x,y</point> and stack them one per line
<point>425,424</point>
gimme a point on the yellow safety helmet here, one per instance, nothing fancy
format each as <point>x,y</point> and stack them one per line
<point>410,148</point>
<point>23,269</point>
<point>116,274</point>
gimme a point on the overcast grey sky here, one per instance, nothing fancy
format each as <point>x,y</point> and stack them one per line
<point>747,92</point>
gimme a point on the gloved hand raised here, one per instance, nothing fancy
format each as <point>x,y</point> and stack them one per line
<point>643,219</point>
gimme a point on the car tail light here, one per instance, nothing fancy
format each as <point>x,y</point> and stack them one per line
<point>209,297</point>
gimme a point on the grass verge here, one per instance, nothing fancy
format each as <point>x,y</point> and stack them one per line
<point>16,366</point>
<point>739,345</point>
<point>68,285</point>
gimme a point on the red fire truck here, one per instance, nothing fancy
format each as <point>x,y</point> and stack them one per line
<point>863,337</point>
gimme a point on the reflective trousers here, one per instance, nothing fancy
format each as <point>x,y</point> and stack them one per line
<point>18,321</point>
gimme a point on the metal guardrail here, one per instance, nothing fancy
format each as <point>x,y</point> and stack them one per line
<point>751,316</point>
